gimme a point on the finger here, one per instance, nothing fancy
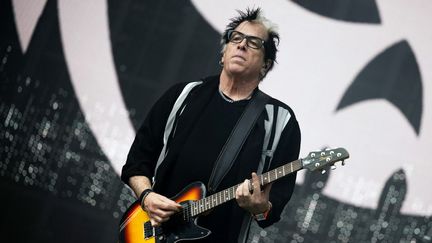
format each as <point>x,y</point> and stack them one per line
<point>162,214</point>
<point>154,223</point>
<point>238,191</point>
<point>161,202</point>
<point>159,219</point>
<point>250,187</point>
<point>168,204</point>
<point>255,182</point>
<point>245,189</point>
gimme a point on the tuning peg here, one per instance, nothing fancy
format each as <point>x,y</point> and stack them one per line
<point>343,162</point>
<point>323,172</point>
<point>333,167</point>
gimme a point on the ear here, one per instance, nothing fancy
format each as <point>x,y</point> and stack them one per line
<point>267,65</point>
<point>221,61</point>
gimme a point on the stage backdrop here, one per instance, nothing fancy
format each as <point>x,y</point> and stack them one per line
<point>78,77</point>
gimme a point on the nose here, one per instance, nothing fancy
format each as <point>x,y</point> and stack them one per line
<point>242,44</point>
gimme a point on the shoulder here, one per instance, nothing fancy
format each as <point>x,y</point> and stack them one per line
<point>280,106</point>
<point>182,87</point>
<point>178,89</point>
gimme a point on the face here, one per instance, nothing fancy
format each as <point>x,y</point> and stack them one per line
<point>239,59</point>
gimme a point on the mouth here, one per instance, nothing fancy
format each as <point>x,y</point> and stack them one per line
<point>239,57</point>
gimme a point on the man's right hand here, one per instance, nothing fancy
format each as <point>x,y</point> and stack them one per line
<point>160,208</point>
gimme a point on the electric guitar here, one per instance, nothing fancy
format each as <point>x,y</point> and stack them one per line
<point>135,226</point>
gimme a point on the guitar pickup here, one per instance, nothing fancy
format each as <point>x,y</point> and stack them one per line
<point>149,230</point>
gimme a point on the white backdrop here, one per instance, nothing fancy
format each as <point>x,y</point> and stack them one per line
<point>318,60</point>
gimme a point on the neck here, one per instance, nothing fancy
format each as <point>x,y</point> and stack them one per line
<point>237,88</point>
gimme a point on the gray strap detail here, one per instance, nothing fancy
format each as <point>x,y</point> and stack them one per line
<point>282,120</point>
<point>280,123</point>
<point>170,122</point>
<point>268,124</point>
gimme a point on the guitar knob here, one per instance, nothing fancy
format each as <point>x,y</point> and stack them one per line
<point>333,167</point>
<point>323,172</point>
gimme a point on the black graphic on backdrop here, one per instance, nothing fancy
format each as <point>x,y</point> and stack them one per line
<point>156,44</point>
<point>49,158</point>
<point>394,75</point>
<point>361,11</point>
<point>312,217</point>
<point>56,183</point>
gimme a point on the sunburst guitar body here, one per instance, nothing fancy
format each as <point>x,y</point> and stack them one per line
<point>135,226</point>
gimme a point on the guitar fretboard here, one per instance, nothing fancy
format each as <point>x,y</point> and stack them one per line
<point>207,203</point>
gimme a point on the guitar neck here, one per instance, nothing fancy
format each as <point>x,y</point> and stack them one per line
<point>200,206</point>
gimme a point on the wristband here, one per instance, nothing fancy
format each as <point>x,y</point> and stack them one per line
<point>263,216</point>
<point>143,195</point>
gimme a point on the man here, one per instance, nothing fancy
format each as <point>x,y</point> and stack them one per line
<point>184,132</point>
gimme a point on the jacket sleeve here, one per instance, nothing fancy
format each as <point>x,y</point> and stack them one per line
<point>148,143</point>
<point>287,150</point>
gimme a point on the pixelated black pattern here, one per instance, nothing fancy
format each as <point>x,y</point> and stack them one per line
<point>357,11</point>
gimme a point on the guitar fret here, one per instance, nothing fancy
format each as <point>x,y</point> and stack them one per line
<point>205,204</point>
<point>198,208</point>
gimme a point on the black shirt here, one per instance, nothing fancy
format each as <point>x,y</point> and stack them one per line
<point>196,159</point>
<point>200,133</point>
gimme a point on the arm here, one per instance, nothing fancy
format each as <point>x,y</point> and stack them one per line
<point>139,184</point>
<point>278,193</point>
<point>148,142</point>
<point>158,207</point>
<point>142,157</point>
<point>288,150</point>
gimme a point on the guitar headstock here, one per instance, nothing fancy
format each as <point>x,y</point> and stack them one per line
<point>318,160</point>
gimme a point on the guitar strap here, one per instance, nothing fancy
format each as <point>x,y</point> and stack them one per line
<point>238,136</point>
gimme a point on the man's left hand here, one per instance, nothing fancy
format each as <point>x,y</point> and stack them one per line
<point>250,196</point>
